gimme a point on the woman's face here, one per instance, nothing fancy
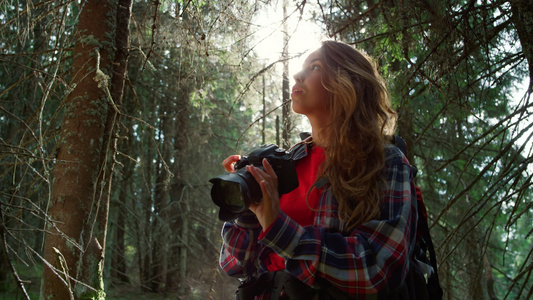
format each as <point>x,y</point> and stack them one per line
<point>309,97</point>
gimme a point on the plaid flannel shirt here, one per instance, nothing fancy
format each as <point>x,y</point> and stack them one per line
<point>374,256</point>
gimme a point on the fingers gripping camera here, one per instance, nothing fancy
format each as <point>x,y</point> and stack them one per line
<point>234,192</point>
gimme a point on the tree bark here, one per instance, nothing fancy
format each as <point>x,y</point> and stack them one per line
<point>178,207</point>
<point>75,241</point>
<point>286,108</point>
<point>160,225</point>
<point>523,20</point>
<point>145,228</point>
<point>118,258</point>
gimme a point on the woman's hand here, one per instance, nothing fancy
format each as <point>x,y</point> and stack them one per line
<point>229,162</point>
<point>267,210</point>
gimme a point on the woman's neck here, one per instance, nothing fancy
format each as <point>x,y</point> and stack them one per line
<point>317,140</point>
<point>319,134</point>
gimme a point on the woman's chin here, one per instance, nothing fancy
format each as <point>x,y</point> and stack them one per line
<point>297,108</point>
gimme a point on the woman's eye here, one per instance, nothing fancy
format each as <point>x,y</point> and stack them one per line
<point>315,67</point>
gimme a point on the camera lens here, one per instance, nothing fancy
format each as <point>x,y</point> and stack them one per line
<point>232,195</point>
<point>234,192</point>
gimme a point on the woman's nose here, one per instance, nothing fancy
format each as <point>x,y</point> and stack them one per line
<point>298,77</point>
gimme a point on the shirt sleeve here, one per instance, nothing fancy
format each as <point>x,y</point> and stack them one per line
<point>239,251</point>
<point>372,257</point>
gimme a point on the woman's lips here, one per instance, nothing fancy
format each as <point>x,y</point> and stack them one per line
<point>296,91</point>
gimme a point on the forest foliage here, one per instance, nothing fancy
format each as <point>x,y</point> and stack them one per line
<point>195,91</point>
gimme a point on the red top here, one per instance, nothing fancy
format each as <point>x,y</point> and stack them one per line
<point>296,204</point>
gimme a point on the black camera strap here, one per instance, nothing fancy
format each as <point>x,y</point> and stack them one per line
<point>271,282</point>
<point>283,285</point>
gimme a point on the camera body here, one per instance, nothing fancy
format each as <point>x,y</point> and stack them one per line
<point>281,162</point>
<point>234,192</point>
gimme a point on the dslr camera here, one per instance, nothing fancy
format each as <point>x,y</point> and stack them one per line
<point>234,192</point>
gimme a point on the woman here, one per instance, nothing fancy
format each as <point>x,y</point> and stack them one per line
<point>348,230</point>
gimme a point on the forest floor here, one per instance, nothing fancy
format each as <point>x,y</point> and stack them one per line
<point>214,287</point>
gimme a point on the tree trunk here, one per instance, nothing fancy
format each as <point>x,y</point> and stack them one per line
<point>75,241</point>
<point>145,227</point>
<point>523,20</point>
<point>122,41</point>
<point>263,130</point>
<point>185,247</point>
<point>178,222</point>
<point>286,96</point>
<point>125,178</point>
<point>179,217</point>
<point>119,274</point>
<point>489,279</point>
<point>155,228</point>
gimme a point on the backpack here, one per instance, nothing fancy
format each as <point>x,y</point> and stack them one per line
<point>424,250</point>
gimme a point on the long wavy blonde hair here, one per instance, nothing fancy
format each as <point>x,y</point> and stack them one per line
<point>362,121</point>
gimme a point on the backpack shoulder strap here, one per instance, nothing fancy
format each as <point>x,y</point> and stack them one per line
<point>423,239</point>
<point>399,142</point>
<point>426,246</point>
<point>297,150</point>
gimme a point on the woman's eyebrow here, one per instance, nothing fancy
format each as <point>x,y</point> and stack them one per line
<point>312,61</point>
